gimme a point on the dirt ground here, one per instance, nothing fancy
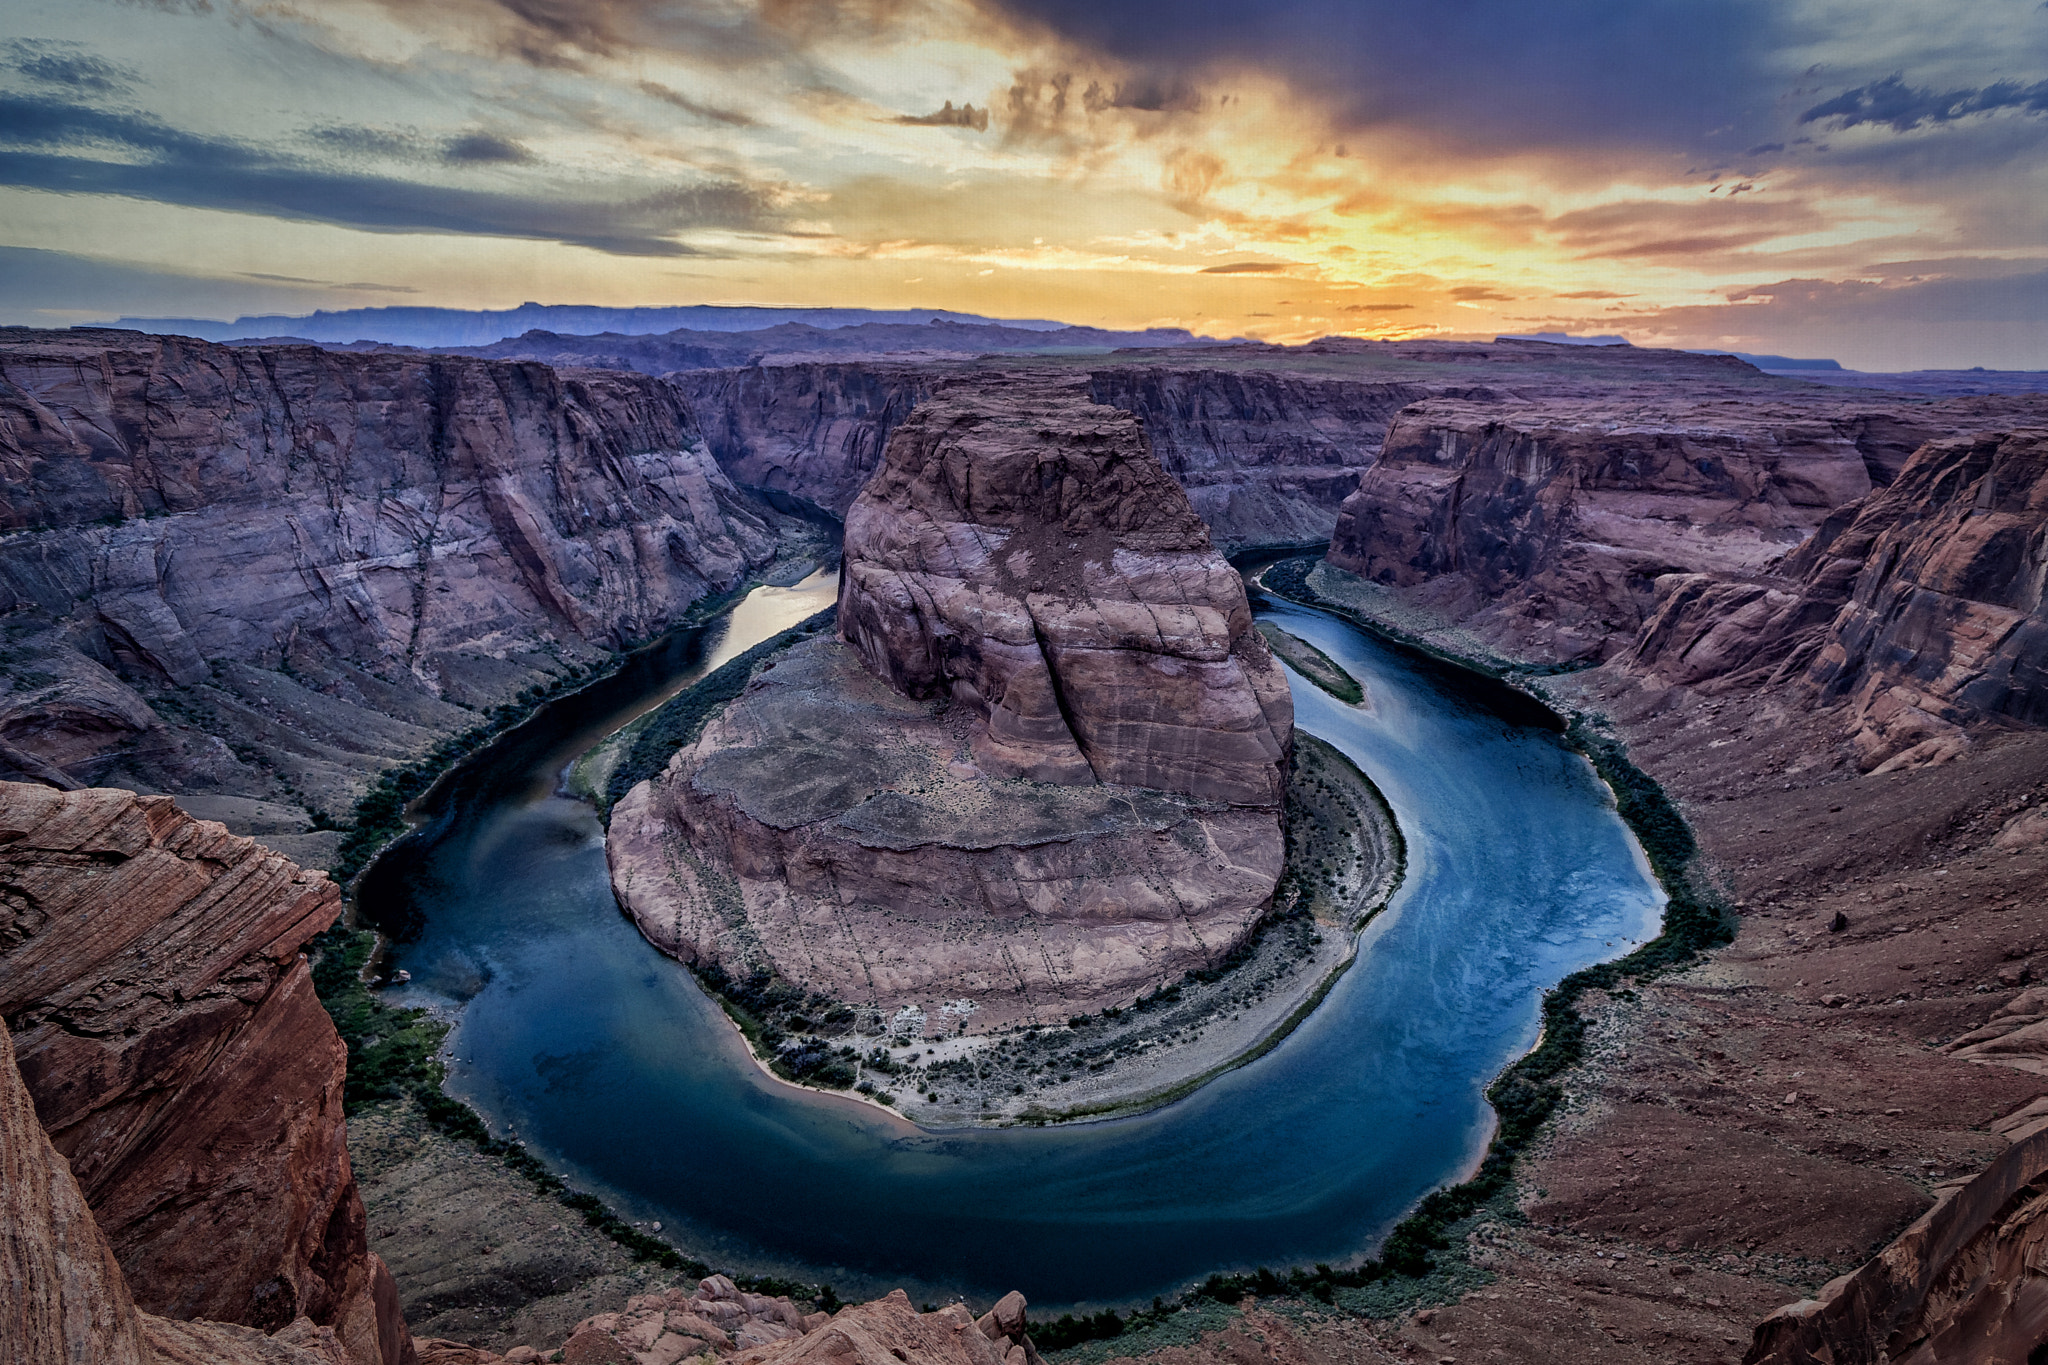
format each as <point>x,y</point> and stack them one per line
<point>1746,1130</point>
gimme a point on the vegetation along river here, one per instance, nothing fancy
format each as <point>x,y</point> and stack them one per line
<point>605,1058</point>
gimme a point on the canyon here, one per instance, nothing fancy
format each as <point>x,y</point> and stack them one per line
<point>259,577</point>
<point>256,577</point>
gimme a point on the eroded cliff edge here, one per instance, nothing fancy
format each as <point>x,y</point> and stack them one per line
<point>258,576</point>
<point>166,1027</point>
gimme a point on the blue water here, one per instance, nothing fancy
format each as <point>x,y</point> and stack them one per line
<point>605,1058</point>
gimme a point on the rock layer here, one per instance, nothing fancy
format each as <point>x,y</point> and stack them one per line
<point>1964,1283</point>
<point>1022,551</point>
<point>1555,522</point>
<point>1920,607</point>
<point>832,832</point>
<point>1041,774</point>
<point>1265,457</point>
<point>167,1028</point>
<point>395,531</point>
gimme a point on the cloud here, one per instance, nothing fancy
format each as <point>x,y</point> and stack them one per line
<point>1903,108</point>
<point>710,113</point>
<point>1499,74</point>
<point>396,143</point>
<point>1245,268</point>
<point>966,116</point>
<point>1986,313</point>
<point>1378,307</point>
<point>1473,293</point>
<point>1594,294</point>
<point>57,288</point>
<point>61,148</point>
<point>484,148</point>
<point>69,64</point>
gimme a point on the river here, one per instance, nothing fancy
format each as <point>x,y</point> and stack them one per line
<point>607,1060</point>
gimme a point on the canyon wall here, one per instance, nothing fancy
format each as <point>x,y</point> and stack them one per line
<point>1264,456</point>
<point>320,560</point>
<point>1919,608</point>
<point>166,1026</point>
<point>1551,523</point>
<point>812,431</point>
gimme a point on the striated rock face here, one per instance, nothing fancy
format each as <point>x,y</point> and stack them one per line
<point>1023,552</point>
<point>813,431</point>
<point>1945,620</point>
<point>1265,457</point>
<point>833,832</point>
<point>66,1300</point>
<point>174,506</point>
<point>1965,1283</point>
<point>1041,772</point>
<point>1552,523</point>
<point>167,1028</point>
<point>1919,608</point>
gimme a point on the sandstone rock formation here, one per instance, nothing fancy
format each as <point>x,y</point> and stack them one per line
<point>721,1322</point>
<point>1024,552</point>
<point>1967,1282</point>
<point>167,1029</point>
<point>813,431</point>
<point>1552,522</point>
<point>1918,608</point>
<point>1056,780</point>
<point>394,533</point>
<point>67,1301</point>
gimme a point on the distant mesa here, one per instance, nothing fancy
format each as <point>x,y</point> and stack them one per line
<point>432,327</point>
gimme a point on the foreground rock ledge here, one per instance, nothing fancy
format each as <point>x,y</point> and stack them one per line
<point>1040,773</point>
<point>167,1030</point>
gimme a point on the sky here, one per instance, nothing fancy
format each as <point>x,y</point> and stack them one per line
<point>1860,179</point>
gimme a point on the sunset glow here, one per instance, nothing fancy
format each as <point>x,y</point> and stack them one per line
<point>1810,178</point>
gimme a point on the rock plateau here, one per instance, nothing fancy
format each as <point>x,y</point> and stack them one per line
<point>1040,771</point>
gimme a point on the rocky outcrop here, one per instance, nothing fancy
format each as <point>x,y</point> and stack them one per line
<point>722,1322</point>
<point>67,1300</point>
<point>167,1028</point>
<point>1918,609</point>
<point>1023,552</point>
<point>1967,1282</point>
<point>1549,525</point>
<point>1041,773</point>
<point>433,526</point>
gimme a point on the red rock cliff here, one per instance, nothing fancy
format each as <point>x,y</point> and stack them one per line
<point>167,1028</point>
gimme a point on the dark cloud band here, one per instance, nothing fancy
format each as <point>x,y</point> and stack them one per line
<point>63,148</point>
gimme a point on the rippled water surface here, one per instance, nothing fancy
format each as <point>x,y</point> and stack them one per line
<point>605,1057</point>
